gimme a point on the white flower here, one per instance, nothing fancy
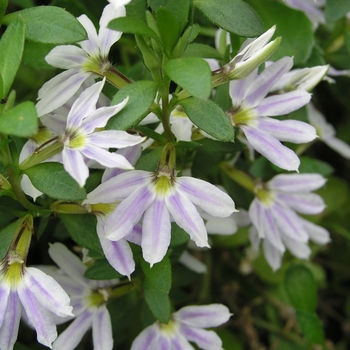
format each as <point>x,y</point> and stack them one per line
<point>79,61</point>
<point>326,132</point>
<point>186,325</point>
<point>273,214</point>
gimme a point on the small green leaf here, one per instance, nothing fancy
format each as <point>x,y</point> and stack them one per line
<point>297,40</point>
<point>168,29</point>
<point>178,236</point>
<point>82,228</point>
<point>192,73</point>
<point>141,96</point>
<point>157,285</point>
<point>202,50</point>
<point>235,16</point>
<point>6,235</point>
<point>336,9</point>
<point>132,25</point>
<point>101,270</point>
<point>21,120</point>
<point>209,117</point>
<point>149,161</point>
<point>51,179</point>
<point>49,25</point>
<point>3,7</point>
<point>311,326</point>
<point>11,51</point>
<point>301,288</point>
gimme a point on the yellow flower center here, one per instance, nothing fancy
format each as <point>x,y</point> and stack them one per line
<point>102,208</point>
<point>264,195</point>
<point>243,116</point>
<point>97,297</point>
<point>168,328</point>
<point>163,184</point>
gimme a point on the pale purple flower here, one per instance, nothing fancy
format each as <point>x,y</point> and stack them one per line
<point>118,253</point>
<point>273,213</point>
<point>29,291</point>
<point>79,62</point>
<point>311,8</point>
<point>81,140</point>
<point>186,325</point>
<point>159,198</point>
<point>89,298</point>
<point>251,108</point>
<point>326,132</point>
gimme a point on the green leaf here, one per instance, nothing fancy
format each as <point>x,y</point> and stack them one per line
<point>311,165</point>
<point>34,55</point>
<point>49,25</point>
<point>3,7</point>
<point>141,96</point>
<point>82,228</point>
<point>149,161</point>
<point>235,16</point>
<point>202,50</point>
<point>209,117</point>
<point>297,40</point>
<point>132,25</point>
<point>301,288</point>
<point>168,29</point>
<point>51,179</point>
<point>178,236</point>
<point>21,120</point>
<point>11,51</point>
<point>336,9</point>
<point>311,326</point>
<point>156,286</point>
<point>6,236</point>
<point>192,73</point>
<point>101,270</point>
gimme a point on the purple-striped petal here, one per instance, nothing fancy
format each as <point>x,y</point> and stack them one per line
<point>71,337</point>
<point>296,182</point>
<point>59,90</point>
<point>84,105</point>
<point>40,318</point>
<point>273,255</point>
<point>135,236</point>
<point>128,213</point>
<point>66,57</point>
<point>283,104</point>
<point>261,86</point>
<point>147,339</point>
<point>304,203</point>
<point>271,148</point>
<point>115,139</point>
<point>179,342</point>
<point>256,216</point>
<point>289,223</point>
<point>187,217</point>
<point>239,87</point>
<point>105,158</point>
<point>206,340</point>
<point>4,295</point>
<point>203,316</point>
<point>271,230</point>
<point>9,329</point>
<point>47,291</point>
<point>207,196</point>
<point>316,233</point>
<point>287,130</point>
<point>75,166</point>
<point>155,232</point>
<point>102,329</point>
<point>91,46</point>
<point>299,249</point>
<point>119,187</point>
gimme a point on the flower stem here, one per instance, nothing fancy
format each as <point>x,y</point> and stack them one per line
<point>116,78</point>
<point>239,176</point>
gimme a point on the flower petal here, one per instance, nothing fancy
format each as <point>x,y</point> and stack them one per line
<point>316,233</point>
<point>128,213</point>
<point>207,196</point>
<point>238,88</point>
<point>187,217</point>
<point>256,216</point>
<point>48,292</point>
<point>338,145</point>
<point>271,148</point>
<point>155,232</point>
<point>40,318</point>
<point>66,57</point>
<point>147,339</point>
<point>296,182</point>
<point>102,329</point>
<point>74,165</point>
<point>273,255</point>
<point>299,249</point>
<point>59,90</point>
<point>203,316</point>
<point>91,46</point>
<point>283,104</point>
<point>304,203</point>
<point>192,263</point>
<point>118,187</point>
<point>271,230</point>
<point>206,340</point>
<point>9,329</point>
<point>287,130</point>
<point>115,139</point>
<point>4,296</point>
<point>71,336</point>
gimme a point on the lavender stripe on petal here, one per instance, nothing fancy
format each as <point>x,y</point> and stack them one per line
<point>207,340</point>
<point>296,182</point>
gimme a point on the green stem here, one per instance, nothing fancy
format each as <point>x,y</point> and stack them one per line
<point>239,176</point>
<point>116,78</point>
<point>125,288</point>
